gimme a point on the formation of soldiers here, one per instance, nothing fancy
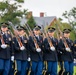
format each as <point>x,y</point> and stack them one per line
<point>35,54</point>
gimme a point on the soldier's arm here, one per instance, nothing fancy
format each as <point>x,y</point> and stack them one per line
<point>61,46</point>
<point>74,49</point>
<point>46,46</point>
<point>31,45</point>
<point>15,45</point>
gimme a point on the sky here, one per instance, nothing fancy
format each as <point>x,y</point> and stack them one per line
<point>49,7</point>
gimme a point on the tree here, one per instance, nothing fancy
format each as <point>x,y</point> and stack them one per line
<point>21,1</point>
<point>11,12</point>
<point>31,22</point>
<point>71,17</point>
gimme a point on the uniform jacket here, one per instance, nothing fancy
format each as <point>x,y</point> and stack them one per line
<point>65,55</point>
<point>6,53</point>
<point>74,49</point>
<point>35,56</point>
<point>50,55</point>
<point>20,55</point>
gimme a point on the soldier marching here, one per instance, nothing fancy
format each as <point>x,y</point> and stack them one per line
<point>35,54</point>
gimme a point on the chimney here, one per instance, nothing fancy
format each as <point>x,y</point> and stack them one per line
<point>41,14</point>
<point>29,14</point>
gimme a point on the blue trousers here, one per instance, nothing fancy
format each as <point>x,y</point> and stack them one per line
<point>52,67</point>
<point>68,66</point>
<point>37,67</point>
<point>21,67</point>
<point>5,66</point>
<point>11,68</point>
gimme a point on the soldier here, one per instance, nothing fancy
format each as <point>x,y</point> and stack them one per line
<point>74,52</point>
<point>75,49</point>
<point>36,51</point>
<point>66,48</point>
<point>50,52</point>
<point>20,46</point>
<point>5,49</point>
<point>60,61</point>
<point>12,57</point>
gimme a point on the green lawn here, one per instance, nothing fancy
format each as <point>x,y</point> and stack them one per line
<point>74,70</point>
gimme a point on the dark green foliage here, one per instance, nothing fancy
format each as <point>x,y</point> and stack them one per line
<point>65,26</point>
<point>71,17</point>
<point>20,1</point>
<point>11,12</point>
<point>31,22</point>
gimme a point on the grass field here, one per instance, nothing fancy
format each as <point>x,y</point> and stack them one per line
<point>74,70</point>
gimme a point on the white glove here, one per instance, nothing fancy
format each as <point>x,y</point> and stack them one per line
<point>68,49</point>
<point>29,59</point>
<point>12,58</point>
<point>74,60</point>
<point>60,52</point>
<point>52,48</point>
<point>22,48</point>
<point>3,46</point>
<point>38,50</point>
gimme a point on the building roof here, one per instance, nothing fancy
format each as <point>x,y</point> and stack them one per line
<point>23,21</point>
<point>40,20</point>
<point>44,20</point>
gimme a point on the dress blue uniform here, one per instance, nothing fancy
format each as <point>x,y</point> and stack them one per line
<point>36,57</point>
<point>61,65</point>
<point>66,54</point>
<point>20,55</point>
<point>74,49</point>
<point>5,51</point>
<point>50,55</point>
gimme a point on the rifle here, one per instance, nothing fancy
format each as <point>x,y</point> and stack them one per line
<point>45,34</point>
<point>32,34</point>
<point>16,34</point>
<point>1,37</point>
<point>63,38</point>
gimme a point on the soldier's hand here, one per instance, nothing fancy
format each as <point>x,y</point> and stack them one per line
<point>22,48</point>
<point>38,49</point>
<point>29,59</point>
<point>12,58</point>
<point>68,49</point>
<point>52,48</point>
<point>61,37</point>
<point>4,46</point>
